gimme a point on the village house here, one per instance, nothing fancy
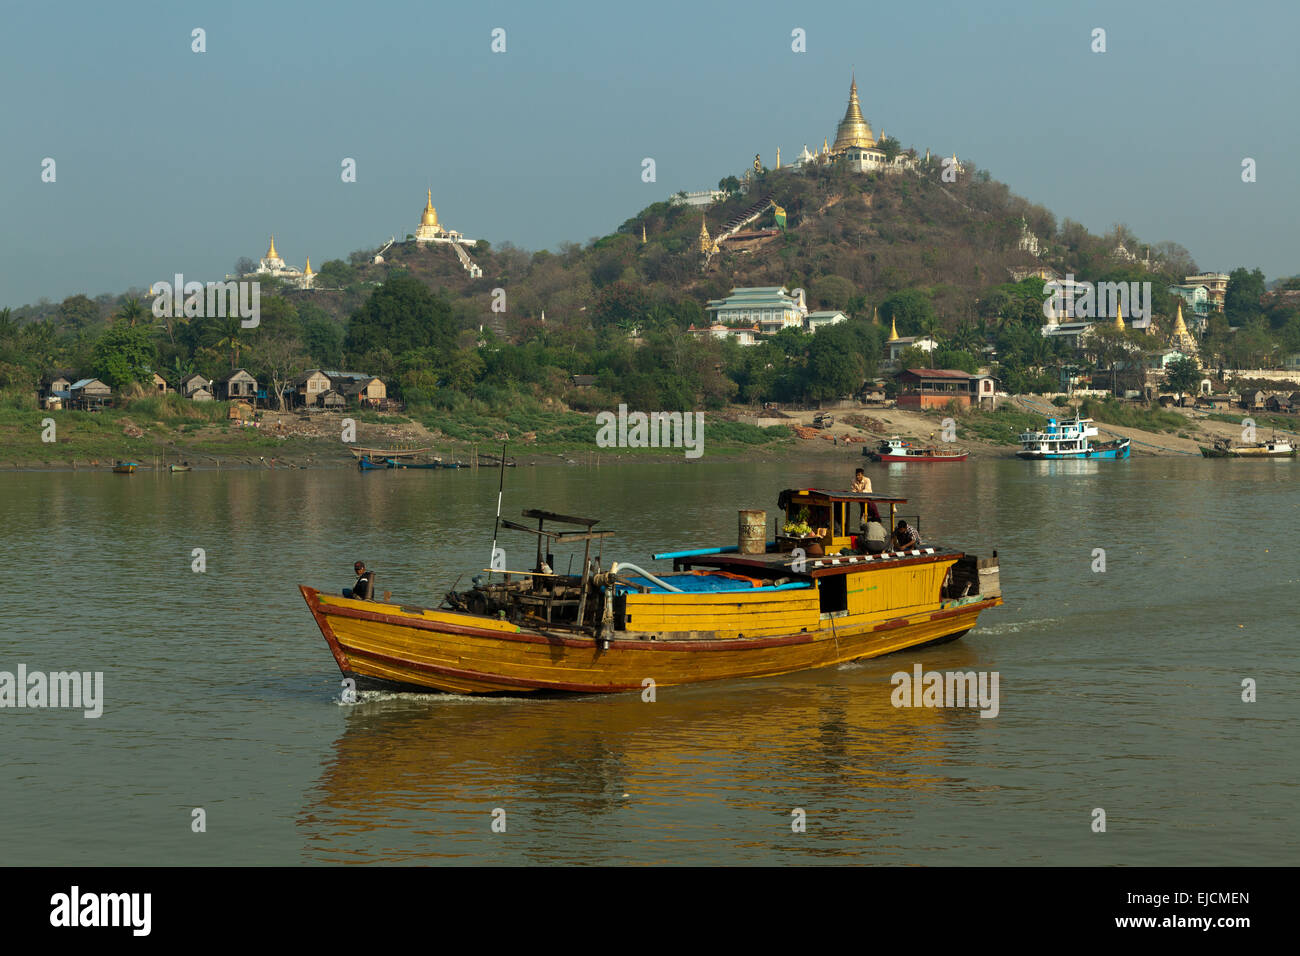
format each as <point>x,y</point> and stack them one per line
<point>53,393</point>
<point>935,387</point>
<point>195,383</point>
<point>311,386</point>
<point>159,383</point>
<point>89,394</point>
<point>822,318</point>
<point>369,391</point>
<point>239,385</point>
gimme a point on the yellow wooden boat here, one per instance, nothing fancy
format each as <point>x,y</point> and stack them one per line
<point>754,610</point>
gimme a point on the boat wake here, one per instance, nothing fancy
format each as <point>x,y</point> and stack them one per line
<point>1017,627</point>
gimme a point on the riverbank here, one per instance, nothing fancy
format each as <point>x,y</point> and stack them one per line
<point>158,435</point>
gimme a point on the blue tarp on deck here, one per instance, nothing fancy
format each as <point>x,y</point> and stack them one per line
<point>705,583</point>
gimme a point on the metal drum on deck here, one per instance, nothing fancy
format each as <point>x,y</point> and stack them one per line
<point>753,532</point>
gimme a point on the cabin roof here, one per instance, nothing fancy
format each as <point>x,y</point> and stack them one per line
<point>830,564</point>
<point>794,493</point>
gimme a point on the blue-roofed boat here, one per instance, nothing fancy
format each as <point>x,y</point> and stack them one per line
<point>1068,439</point>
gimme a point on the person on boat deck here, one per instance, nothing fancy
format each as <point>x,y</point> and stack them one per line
<point>861,486</point>
<point>905,538</point>
<point>874,532</point>
<point>364,589</point>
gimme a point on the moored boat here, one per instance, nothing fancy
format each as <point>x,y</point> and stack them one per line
<point>752,610</point>
<point>1067,439</point>
<point>185,467</point>
<point>897,449</point>
<point>125,467</point>
<point>1227,448</point>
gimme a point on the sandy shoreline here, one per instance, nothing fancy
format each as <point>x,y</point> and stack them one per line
<point>285,441</point>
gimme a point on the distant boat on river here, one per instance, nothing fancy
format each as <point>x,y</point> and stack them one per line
<point>1068,439</point>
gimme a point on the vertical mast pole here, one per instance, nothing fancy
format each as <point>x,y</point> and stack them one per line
<point>497,525</point>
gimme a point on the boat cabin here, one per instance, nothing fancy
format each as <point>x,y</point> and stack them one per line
<point>831,517</point>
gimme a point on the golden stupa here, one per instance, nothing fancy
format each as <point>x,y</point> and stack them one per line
<point>430,217</point>
<point>307,271</point>
<point>893,331</point>
<point>271,253</point>
<point>853,129</point>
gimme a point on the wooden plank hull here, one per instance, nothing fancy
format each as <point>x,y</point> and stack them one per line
<point>470,654</point>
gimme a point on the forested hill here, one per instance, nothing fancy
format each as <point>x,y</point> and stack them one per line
<point>932,255</point>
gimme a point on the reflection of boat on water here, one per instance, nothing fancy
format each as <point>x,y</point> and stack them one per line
<point>897,450</point>
<point>1068,439</point>
<point>412,778</point>
<point>1227,448</point>
<point>752,610</point>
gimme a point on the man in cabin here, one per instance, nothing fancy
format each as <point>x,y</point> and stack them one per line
<point>905,538</point>
<point>364,589</point>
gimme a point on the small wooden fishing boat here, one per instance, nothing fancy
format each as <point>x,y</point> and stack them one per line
<point>185,467</point>
<point>386,453</point>
<point>897,449</point>
<point>1226,448</point>
<point>125,467</point>
<point>751,610</point>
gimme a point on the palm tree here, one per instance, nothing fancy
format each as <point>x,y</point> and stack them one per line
<point>229,334</point>
<point>8,327</point>
<point>930,326</point>
<point>130,311</point>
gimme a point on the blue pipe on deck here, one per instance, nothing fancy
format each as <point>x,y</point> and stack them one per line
<point>668,555</point>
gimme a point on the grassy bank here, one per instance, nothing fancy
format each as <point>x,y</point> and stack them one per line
<point>173,429</point>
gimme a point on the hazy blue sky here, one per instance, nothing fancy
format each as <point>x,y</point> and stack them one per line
<point>173,161</point>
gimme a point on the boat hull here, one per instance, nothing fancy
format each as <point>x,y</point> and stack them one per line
<point>877,456</point>
<point>458,652</point>
<point>1100,453</point>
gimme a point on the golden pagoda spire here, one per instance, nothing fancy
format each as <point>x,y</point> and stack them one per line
<point>778,157</point>
<point>271,253</point>
<point>307,271</point>
<point>1119,318</point>
<point>705,242</point>
<point>853,129</point>
<point>1180,327</point>
<point>875,315</point>
<point>893,330</point>
<point>643,234</point>
<point>825,146</point>
<point>430,217</point>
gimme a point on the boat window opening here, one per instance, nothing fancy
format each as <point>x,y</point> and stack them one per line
<point>833,593</point>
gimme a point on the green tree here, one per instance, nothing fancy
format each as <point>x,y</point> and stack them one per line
<point>908,308</point>
<point>402,315</point>
<point>124,355</point>
<point>1182,374</point>
<point>1241,301</point>
<point>835,367</point>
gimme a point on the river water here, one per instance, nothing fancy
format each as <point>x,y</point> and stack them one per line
<point>1120,690</point>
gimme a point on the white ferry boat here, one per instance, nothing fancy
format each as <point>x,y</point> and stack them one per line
<point>1069,438</point>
